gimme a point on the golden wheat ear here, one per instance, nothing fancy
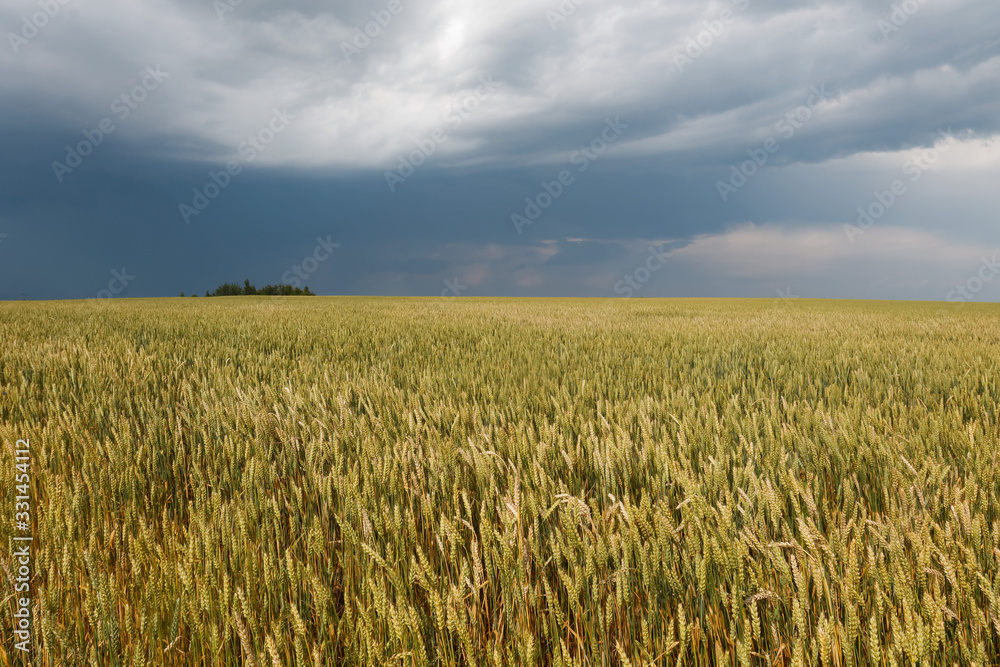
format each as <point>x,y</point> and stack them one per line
<point>349,481</point>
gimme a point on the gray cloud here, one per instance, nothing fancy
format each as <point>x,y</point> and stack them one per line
<point>693,112</point>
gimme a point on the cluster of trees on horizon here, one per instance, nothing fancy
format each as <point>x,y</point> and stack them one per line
<point>232,289</point>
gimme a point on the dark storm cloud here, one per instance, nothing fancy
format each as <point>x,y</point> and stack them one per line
<point>701,88</point>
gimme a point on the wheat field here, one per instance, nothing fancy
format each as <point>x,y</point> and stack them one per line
<point>359,481</point>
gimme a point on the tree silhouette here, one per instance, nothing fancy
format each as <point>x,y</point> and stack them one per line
<point>248,289</point>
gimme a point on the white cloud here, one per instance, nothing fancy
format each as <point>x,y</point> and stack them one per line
<point>773,251</point>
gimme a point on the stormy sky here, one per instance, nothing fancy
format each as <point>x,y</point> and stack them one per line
<point>599,148</point>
